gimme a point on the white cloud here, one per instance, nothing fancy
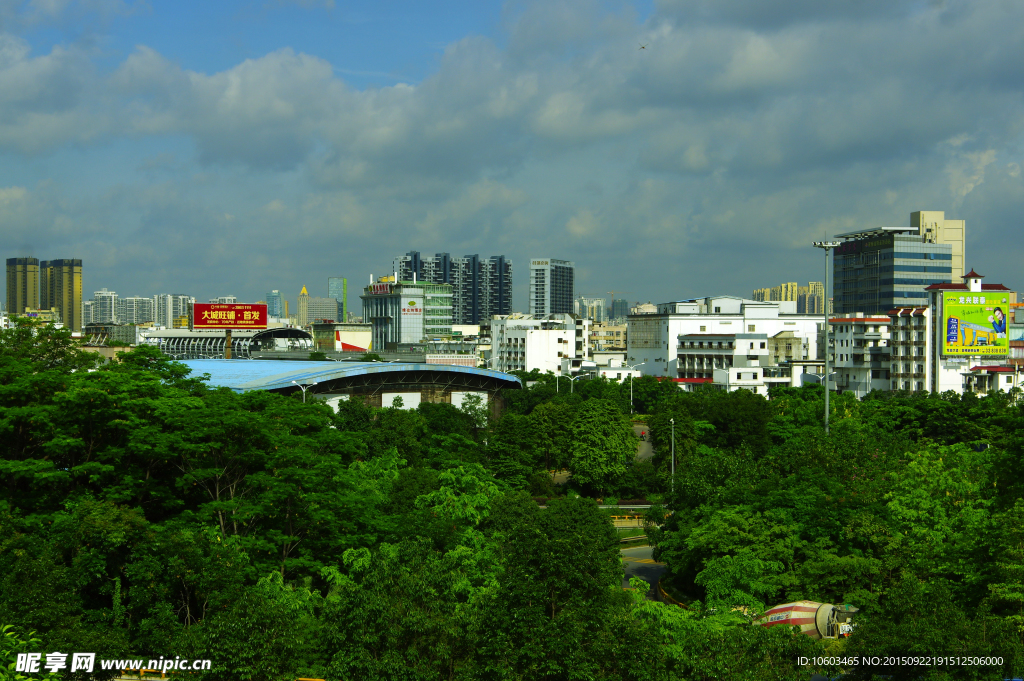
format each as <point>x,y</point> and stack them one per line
<point>744,129</point>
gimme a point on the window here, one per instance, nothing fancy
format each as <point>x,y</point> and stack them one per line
<point>762,346</point>
<point>703,328</point>
<point>1009,379</point>
<point>750,328</point>
<point>718,309</point>
<point>739,377</point>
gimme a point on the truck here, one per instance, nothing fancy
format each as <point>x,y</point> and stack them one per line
<point>817,620</point>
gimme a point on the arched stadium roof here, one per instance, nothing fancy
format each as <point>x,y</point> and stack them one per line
<point>243,375</point>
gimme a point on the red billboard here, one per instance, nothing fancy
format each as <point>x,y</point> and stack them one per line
<point>219,316</point>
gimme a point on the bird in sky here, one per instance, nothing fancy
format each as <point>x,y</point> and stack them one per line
<point>642,46</point>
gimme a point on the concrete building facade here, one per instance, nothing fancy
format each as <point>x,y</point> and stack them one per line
<point>552,286</point>
<point>171,307</point>
<point>528,342</point>
<point>652,338</point>
<point>135,310</point>
<point>407,312</point>
<point>594,309</point>
<point>61,288</point>
<point>22,284</point>
<point>481,287</point>
<point>860,353</point>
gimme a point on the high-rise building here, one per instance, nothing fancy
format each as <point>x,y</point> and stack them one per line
<point>22,284</point>
<point>552,286</point>
<point>61,288</point>
<point>104,307</point>
<point>224,300</point>
<point>169,307</point>
<point>787,291</point>
<point>934,228</point>
<point>87,312</point>
<point>302,316</point>
<point>880,269</point>
<point>620,308</point>
<point>275,304</point>
<point>135,310</point>
<point>481,287</point>
<point>809,299</point>
<point>591,308</point>
<point>337,288</point>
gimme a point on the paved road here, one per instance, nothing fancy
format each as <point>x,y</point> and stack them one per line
<point>638,563</point>
<point>643,448</point>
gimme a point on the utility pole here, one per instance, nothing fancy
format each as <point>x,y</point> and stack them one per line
<point>631,367</point>
<point>673,422</point>
<point>826,246</point>
<point>304,387</point>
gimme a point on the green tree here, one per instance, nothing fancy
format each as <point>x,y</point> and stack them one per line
<point>603,444</point>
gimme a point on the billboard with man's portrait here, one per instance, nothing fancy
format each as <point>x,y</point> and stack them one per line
<point>975,324</point>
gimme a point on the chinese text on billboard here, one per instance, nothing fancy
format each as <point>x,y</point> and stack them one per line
<point>975,324</point>
<point>216,316</point>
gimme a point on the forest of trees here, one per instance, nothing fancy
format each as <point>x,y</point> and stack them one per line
<point>143,513</point>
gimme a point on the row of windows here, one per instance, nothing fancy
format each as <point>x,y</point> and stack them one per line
<point>916,268</point>
<point>911,282</point>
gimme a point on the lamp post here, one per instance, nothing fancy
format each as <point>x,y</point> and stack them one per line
<point>826,246</point>
<point>673,422</point>
<point>631,367</point>
<point>305,387</point>
<point>573,379</point>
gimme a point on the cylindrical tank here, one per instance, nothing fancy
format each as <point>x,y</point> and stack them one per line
<point>817,620</point>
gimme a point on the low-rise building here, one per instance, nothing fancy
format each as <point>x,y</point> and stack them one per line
<point>860,353</point>
<point>528,342</point>
<point>338,337</point>
<point>652,338</point>
<point>407,312</point>
<point>605,336</point>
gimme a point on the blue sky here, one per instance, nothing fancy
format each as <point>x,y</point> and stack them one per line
<point>236,147</point>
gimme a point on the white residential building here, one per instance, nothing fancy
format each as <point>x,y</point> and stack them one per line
<point>171,306</point>
<point>135,310</point>
<point>104,307</point>
<point>552,286</point>
<point>653,338</point>
<point>528,342</point>
<point>861,352</point>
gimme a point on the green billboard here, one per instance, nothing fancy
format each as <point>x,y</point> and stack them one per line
<point>975,324</point>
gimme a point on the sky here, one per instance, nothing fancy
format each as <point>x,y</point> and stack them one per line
<point>670,148</point>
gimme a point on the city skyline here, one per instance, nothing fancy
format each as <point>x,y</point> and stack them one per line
<point>230,148</point>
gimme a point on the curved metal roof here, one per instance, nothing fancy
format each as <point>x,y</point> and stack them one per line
<point>242,375</point>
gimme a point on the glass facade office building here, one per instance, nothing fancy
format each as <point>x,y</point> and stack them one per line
<point>889,267</point>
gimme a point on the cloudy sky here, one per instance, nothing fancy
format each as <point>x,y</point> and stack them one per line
<point>232,147</point>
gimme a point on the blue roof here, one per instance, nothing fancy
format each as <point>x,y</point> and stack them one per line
<point>242,375</point>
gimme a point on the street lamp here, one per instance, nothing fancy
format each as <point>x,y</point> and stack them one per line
<point>826,246</point>
<point>305,387</point>
<point>573,379</point>
<point>631,367</point>
<point>673,422</point>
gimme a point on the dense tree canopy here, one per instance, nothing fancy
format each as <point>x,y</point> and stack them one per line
<point>143,513</point>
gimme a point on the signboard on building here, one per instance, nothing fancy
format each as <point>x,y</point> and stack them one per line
<point>412,308</point>
<point>224,316</point>
<point>380,289</point>
<point>975,324</point>
<point>874,243</point>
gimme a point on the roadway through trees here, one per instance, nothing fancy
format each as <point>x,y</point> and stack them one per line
<point>637,562</point>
